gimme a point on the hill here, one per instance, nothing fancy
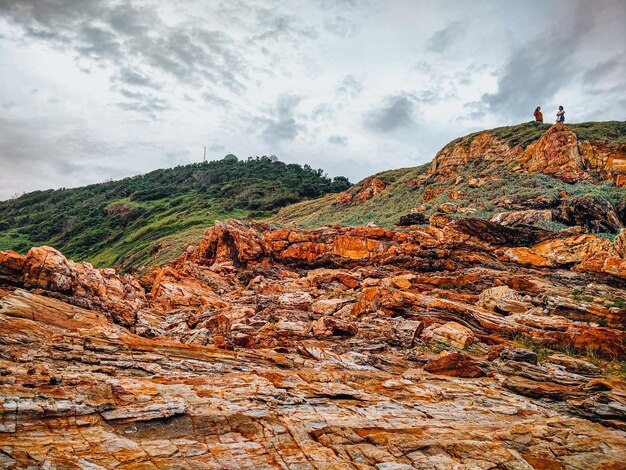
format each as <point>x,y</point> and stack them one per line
<point>555,176</point>
<point>151,218</point>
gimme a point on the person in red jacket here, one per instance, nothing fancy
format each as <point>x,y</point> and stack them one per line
<point>538,114</point>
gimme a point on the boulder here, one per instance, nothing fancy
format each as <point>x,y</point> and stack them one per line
<point>452,334</point>
<point>503,299</point>
<point>455,364</point>
<point>414,218</point>
<point>372,188</point>
<point>519,355</point>
<point>595,216</point>
<point>525,217</point>
<point>556,153</point>
<point>448,208</point>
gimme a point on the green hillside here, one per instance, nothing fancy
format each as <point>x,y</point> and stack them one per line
<point>151,218</point>
<point>399,197</point>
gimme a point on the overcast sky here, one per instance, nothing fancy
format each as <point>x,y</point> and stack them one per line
<point>92,90</point>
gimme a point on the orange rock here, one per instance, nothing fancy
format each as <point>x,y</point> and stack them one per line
<point>80,283</point>
<point>343,198</point>
<point>431,192</point>
<point>356,248</point>
<point>455,364</point>
<point>556,153</point>
<point>373,187</point>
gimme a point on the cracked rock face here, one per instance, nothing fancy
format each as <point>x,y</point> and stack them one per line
<point>461,345</point>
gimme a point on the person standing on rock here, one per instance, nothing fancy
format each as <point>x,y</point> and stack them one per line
<point>538,115</point>
<point>560,116</point>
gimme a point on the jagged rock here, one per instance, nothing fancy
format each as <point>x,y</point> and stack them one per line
<point>562,251</point>
<point>373,187</point>
<point>620,243</point>
<point>497,234</point>
<point>455,364</point>
<point>503,299</point>
<point>414,218</point>
<point>525,217</point>
<point>595,216</point>
<point>448,208</point>
<point>452,334</point>
<point>330,326</point>
<point>78,283</point>
<point>577,366</point>
<point>556,153</point>
<point>261,336</point>
<point>343,198</point>
<point>519,355</point>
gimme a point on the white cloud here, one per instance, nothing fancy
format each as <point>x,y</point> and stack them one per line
<point>94,90</point>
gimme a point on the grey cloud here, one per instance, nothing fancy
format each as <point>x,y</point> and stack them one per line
<point>129,35</point>
<point>603,69</point>
<point>135,78</point>
<point>444,38</point>
<point>281,124</point>
<point>338,140</point>
<point>280,27</point>
<point>216,100</point>
<point>538,69</point>
<point>322,112</point>
<point>144,103</point>
<point>349,87</point>
<point>394,113</point>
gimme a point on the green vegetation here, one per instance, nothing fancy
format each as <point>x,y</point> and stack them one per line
<point>150,219</point>
<point>529,132</point>
<point>501,183</point>
<point>579,296</point>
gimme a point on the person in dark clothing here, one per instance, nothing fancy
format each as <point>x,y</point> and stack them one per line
<point>538,114</point>
<point>560,116</point>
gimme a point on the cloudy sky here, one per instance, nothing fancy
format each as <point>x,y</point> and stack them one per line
<point>92,90</point>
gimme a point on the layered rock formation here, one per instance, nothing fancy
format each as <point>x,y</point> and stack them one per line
<point>466,344</point>
<point>558,153</point>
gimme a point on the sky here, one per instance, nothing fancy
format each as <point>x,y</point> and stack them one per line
<point>98,90</point>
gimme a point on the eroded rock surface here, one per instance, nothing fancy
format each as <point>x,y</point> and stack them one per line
<point>466,344</point>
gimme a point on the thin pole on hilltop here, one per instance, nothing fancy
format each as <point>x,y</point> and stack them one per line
<point>204,158</point>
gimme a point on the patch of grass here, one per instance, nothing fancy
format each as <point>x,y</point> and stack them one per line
<point>616,369</point>
<point>617,302</point>
<point>524,341</point>
<point>579,296</point>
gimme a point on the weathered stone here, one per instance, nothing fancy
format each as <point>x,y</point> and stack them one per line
<point>455,364</point>
<point>594,216</point>
<point>503,299</point>
<point>452,334</point>
<point>266,348</point>
<point>525,217</point>
<point>414,218</point>
<point>519,355</point>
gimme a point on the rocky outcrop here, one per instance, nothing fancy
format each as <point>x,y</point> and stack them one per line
<point>372,188</point>
<point>77,283</point>
<point>594,216</point>
<point>557,153</point>
<point>524,217</point>
<point>463,344</point>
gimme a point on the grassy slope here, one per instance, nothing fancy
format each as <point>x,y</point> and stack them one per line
<point>150,219</point>
<point>398,198</point>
